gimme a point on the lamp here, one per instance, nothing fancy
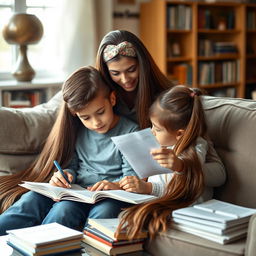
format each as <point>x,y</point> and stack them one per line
<point>23,29</point>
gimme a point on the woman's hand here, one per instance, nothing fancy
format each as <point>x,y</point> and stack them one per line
<point>167,159</point>
<point>104,185</point>
<point>58,180</point>
<point>134,184</point>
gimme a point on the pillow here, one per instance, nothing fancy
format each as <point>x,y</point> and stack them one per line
<point>23,131</point>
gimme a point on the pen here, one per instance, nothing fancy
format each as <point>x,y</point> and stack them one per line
<point>61,171</point>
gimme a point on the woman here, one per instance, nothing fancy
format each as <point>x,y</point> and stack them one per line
<point>126,65</point>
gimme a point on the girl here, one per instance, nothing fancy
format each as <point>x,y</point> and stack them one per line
<point>81,142</point>
<point>128,67</point>
<point>179,126</point>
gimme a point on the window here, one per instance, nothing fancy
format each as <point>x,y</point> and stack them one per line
<point>43,55</point>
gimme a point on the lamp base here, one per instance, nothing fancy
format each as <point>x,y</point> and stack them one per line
<point>23,71</point>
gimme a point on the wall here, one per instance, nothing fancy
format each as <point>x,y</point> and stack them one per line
<point>126,15</point>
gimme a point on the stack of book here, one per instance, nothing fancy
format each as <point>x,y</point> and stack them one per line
<point>214,220</point>
<point>48,239</point>
<point>101,234</point>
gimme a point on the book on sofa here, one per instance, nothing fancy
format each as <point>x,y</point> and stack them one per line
<point>80,194</point>
<point>214,220</point>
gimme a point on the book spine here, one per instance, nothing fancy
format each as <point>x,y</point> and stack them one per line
<point>87,233</point>
<point>17,249</point>
<point>109,241</point>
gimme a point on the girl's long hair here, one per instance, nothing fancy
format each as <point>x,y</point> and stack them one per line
<point>80,88</point>
<point>151,80</point>
<point>177,108</point>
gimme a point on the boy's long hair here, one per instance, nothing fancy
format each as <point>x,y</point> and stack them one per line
<point>78,90</point>
<point>177,108</point>
<point>151,80</point>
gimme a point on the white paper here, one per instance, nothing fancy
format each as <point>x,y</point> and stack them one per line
<point>136,149</point>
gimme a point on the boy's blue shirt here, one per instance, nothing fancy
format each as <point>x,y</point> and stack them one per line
<point>96,157</point>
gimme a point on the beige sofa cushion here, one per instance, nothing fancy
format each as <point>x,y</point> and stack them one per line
<point>23,133</point>
<point>231,124</point>
<point>179,243</point>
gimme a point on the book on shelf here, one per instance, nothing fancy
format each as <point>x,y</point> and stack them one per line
<point>109,250</point>
<point>179,17</point>
<point>183,73</point>
<point>22,99</point>
<point>215,220</point>
<point>44,239</point>
<point>109,227</point>
<point>93,232</point>
<point>80,194</point>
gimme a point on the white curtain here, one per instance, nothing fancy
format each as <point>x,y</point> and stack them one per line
<point>79,31</point>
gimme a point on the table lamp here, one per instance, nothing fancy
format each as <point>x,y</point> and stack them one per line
<point>23,29</point>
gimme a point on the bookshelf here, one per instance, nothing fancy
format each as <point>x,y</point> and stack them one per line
<point>27,94</point>
<point>207,45</point>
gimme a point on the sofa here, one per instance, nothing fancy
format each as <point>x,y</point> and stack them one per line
<point>231,124</point>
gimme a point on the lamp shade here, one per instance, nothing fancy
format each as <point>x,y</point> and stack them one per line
<point>23,29</point>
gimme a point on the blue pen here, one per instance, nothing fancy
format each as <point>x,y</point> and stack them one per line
<point>61,171</point>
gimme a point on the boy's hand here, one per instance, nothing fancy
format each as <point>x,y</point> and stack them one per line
<point>58,180</point>
<point>104,185</point>
<point>167,159</point>
<point>134,184</point>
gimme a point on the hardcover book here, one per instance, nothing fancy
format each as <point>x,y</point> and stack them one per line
<point>109,250</point>
<point>44,239</point>
<point>100,236</point>
<point>109,227</point>
<point>214,220</point>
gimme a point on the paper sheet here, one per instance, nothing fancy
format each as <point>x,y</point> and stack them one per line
<point>136,149</point>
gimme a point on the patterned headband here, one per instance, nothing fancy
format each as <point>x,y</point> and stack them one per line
<point>125,49</point>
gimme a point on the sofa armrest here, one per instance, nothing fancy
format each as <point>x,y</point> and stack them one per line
<point>250,248</point>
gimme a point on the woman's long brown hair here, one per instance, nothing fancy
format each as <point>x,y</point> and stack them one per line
<point>177,108</point>
<point>151,80</point>
<point>80,88</point>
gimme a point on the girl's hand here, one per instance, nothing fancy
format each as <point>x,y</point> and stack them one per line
<point>58,180</point>
<point>167,159</point>
<point>134,184</point>
<point>104,185</point>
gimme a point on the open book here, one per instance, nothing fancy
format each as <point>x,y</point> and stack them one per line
<point>136,147</point>
<point>80,194</point>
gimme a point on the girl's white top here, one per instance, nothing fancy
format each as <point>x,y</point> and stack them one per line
<point>159,182</point>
